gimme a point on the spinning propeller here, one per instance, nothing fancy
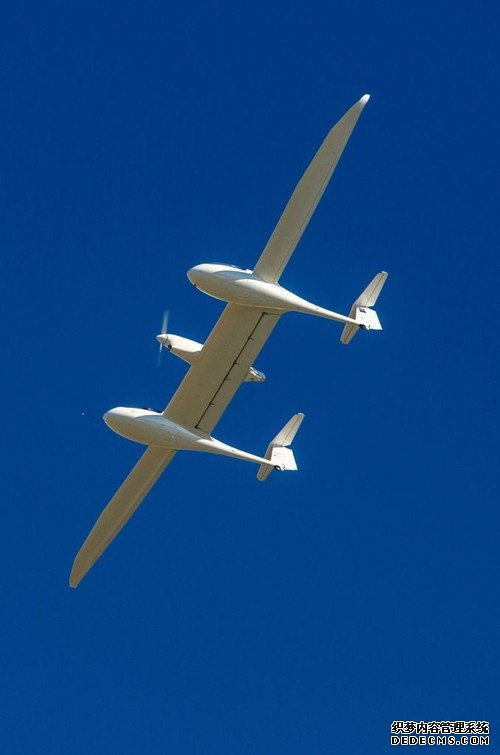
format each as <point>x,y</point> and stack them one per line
<point>163,334</point>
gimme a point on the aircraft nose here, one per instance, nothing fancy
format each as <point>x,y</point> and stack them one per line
<point>112,417</point>
<point>163,339</point>
<point>195,273</point>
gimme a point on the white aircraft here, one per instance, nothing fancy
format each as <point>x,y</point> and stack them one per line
<point>255,302</point>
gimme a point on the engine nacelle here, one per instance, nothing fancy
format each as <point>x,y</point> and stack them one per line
<point>190,352</point>
<point>183,348</point>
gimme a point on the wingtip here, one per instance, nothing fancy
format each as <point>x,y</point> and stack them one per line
<point>75,578</point>
<point>364,99</point>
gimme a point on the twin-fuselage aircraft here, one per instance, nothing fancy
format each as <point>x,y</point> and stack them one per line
<point>255,302</point>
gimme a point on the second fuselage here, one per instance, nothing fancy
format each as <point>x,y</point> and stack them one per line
<point>153,429</point>
<point>233,284</point>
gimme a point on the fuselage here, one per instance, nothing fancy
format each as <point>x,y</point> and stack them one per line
<point>147,427</point>
<point>153,429</point>
<point>233,284</point>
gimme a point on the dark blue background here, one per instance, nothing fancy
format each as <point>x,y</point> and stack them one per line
<point>303,615</point>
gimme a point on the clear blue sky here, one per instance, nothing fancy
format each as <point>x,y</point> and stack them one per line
<point>230,617</point>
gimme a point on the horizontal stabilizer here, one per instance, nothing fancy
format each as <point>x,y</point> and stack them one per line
<point>361,312</point>
<point>367,318</point>
<point>277,451</point>
<point>283,458</point>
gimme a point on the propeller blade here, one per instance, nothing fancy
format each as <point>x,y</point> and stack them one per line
<point>163,331</point>
<point>164,324</point>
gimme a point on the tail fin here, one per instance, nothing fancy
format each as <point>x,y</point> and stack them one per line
<point>277,451</point>
<point>361,312</point>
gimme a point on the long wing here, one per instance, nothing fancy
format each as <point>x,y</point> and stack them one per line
<point>305,198</point>
<point>120,508</point>
<point>230,350</point>
<point>237,338</point>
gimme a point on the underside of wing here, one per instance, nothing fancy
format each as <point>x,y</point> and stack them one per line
<point>226,357</point>
<point>305,198</point>
<point>120,508</point>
